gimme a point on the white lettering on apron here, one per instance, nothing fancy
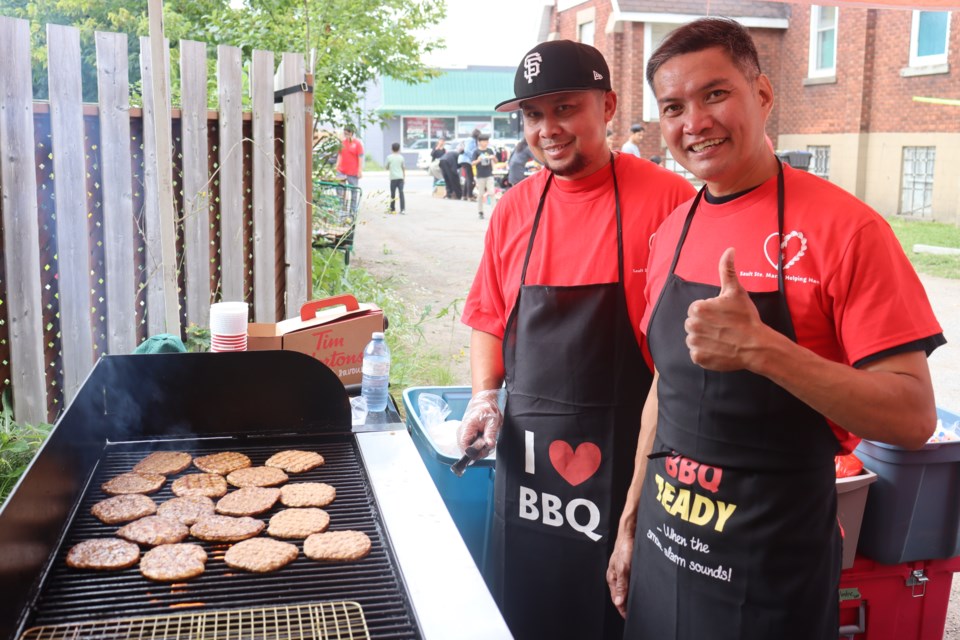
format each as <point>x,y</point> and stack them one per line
<point>528,451</point>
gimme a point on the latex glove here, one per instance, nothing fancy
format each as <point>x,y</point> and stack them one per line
<point>481,419</point>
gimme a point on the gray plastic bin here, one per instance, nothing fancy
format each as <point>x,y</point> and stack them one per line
<point>913,509</point>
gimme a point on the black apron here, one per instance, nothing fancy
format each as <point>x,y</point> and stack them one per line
<point>737,534</point>
<point>576,382</point>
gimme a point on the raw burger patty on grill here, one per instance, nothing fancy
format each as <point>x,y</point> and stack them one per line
<point>170,562</point>
<point>226,528</point>
<point>260,555</point>
<point>307,494</point>
<point>200,484</point>
<point>164,462</point>
<point>298,523</point>
<point>248,501</point>
<point>103,553</point>
<point>187,509</point>
<point>257,477</point>
<point>153,531</point>
<point>337,545</point>
<point>133,483</point>
<point>293,461</point>
<point>222,463</point>
<point>124,508</point>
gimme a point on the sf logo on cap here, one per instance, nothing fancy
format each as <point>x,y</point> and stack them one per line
<point>531,66</point>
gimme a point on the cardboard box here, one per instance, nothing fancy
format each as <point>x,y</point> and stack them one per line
<point>334,331</point>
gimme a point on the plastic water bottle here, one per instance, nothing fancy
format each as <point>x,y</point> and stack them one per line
<point>376,373</point>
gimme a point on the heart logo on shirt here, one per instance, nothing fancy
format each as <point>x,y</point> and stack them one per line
<point>794,245</point>
<point>577,466</point>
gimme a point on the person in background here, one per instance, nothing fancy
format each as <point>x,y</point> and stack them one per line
<point>517,164</point>
<point>350,165</point>
<point>776,318</point>
<point>436,153</point>
<point>398,173</point>
<point>554,309</point>
<point>451,177</point>
<point>483,159</point>
<point>632,145</point>
<point>466,167</point>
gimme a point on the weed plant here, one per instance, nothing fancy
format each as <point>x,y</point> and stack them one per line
<point>18,444</point>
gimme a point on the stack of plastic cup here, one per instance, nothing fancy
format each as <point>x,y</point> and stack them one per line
<point>228,326</point>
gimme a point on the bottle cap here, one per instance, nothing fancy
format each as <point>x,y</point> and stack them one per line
<point>377,335</point>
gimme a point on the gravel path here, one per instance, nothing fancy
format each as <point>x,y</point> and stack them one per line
<point>435,248</point>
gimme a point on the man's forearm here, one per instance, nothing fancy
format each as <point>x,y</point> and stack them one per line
<point>648,432</point>
<point>486,361</point>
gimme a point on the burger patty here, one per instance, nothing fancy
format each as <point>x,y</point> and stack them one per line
<point>124,508</point>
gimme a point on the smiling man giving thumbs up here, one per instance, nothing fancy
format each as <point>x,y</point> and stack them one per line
<point>785,323</point>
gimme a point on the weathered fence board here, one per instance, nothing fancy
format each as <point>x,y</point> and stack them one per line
<point>264,221</point>
<point>230,153</point>
<point>156,300</point>
<point>114,92</point>
<point>18,184</point>
<point>297,235</point>
<point>83,271</point>
<point>73,252</point>
<point>195,182</point>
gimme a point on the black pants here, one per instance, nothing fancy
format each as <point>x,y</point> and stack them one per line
<point>467,170</point>
<point>451,180</point>
<point>397,185</point>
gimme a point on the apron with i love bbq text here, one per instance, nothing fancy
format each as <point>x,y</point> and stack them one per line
<point>576,382</point>
<point>737,535</point>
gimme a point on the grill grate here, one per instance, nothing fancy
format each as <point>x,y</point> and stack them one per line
<point>326,620</point>
<point>71,595</point>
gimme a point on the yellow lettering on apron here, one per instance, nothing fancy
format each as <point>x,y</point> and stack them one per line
<point>681,505</point>
<point>724,512</point>
<point>702,511</point>
<point>659,486</point>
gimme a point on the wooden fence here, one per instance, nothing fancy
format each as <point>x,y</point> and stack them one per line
<point>80,234</point>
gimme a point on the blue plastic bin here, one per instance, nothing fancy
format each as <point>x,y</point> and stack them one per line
<point>913,509</point>
<point>469,499</point>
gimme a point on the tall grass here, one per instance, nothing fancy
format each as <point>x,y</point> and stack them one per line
<point>18,444</point>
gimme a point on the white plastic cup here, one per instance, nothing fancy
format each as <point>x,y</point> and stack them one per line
<point>229,318</point>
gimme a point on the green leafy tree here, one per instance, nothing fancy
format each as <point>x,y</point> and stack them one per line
<point>351,42</point>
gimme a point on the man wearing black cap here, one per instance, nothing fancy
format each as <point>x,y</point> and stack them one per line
<point>632,145</point>
<point>554,309</point>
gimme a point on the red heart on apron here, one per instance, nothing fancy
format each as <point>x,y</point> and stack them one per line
<point>575,466</point>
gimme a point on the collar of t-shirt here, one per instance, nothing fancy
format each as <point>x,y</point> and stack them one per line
<point>594,186</point>
<point>712,199</point>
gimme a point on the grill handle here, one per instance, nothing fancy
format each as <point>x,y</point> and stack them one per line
<point>309,310</point>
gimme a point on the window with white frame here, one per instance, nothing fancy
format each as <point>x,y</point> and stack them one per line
<point>671,164</point>
<point>653,35</point>
<point>585,32</point>
<point>820,161</point>
<point>916,181</point>
<point>823,42</point>
<point>929,35</point>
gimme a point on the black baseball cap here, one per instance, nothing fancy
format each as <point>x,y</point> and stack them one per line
<point>557,66</point>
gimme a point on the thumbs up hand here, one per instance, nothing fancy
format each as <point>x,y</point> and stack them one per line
<point>722,332</point>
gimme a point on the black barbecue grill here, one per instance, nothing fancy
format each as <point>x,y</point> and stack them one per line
<point>257,403</point>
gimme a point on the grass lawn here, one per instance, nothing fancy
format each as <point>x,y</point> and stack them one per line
<point>912,232</point>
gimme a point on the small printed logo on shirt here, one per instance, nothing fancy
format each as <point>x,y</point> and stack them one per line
<point>792,248</point>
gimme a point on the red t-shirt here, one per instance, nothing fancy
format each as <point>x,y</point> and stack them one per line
<point>576,241</point>
<point>349,162</point>
<point>851,291</point>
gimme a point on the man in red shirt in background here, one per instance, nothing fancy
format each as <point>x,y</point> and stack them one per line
<point>350,165</point>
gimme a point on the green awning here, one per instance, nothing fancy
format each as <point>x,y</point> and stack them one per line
<point>470,91</point>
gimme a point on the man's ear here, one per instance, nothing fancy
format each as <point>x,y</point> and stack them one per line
<point>609,105</point>
<point>765,92</point>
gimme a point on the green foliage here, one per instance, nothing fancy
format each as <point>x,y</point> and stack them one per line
<point>198,338</point>
<point>352,41</point>
<point>18,445</point>
<point>412,362</point>
<point>911,232</point>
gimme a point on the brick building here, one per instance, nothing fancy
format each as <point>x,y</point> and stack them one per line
<point>873,94</point>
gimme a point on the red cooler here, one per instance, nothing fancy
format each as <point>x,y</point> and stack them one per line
<point>906,601</point>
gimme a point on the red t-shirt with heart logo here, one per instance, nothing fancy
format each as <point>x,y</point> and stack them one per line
<point>852,292</point>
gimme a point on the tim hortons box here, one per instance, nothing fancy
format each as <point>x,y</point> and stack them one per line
<point>334,331</point>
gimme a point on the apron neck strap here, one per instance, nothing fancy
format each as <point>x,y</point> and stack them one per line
<point>536,225</point>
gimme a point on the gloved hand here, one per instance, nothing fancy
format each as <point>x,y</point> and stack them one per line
<point>481,419</point>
